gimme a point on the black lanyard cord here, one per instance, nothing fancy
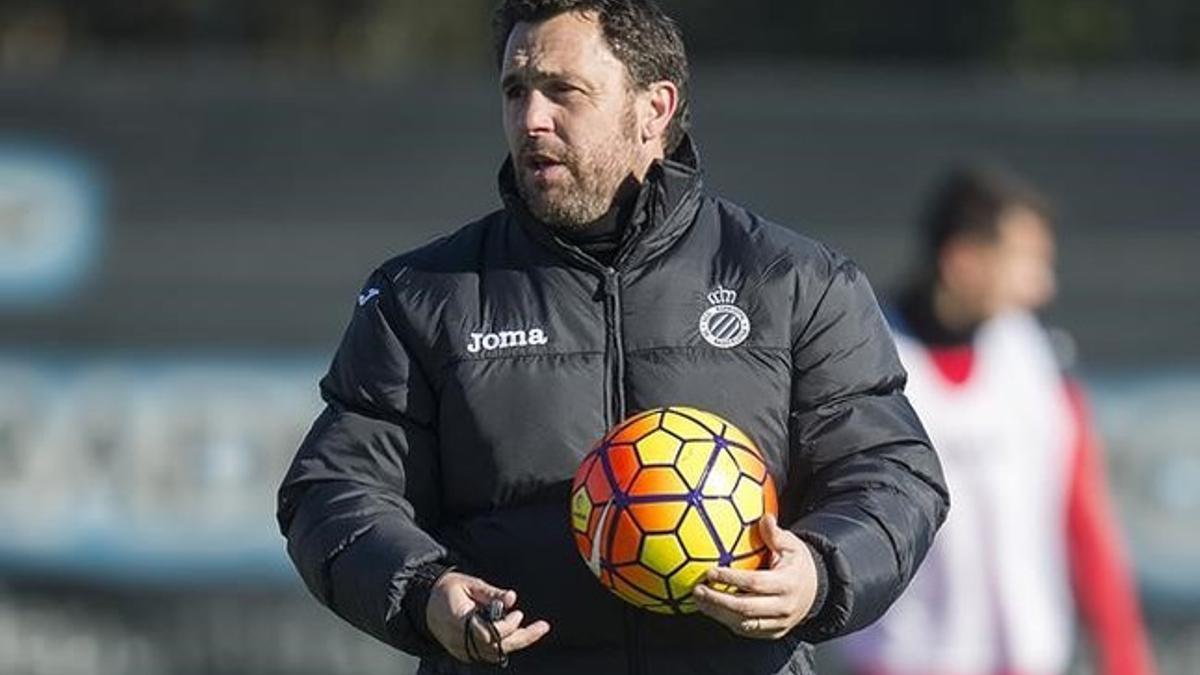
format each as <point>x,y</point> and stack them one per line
<point>488,616</point>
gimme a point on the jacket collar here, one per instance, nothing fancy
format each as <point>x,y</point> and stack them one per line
<point>664,209</point>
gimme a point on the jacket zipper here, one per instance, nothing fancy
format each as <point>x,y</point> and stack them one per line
<point>616,359</point>
<point>616,411</point>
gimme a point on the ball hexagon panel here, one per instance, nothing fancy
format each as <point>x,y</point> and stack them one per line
<point>696,537</point>
<point>645,580</point>
<point>686,427</point>
<point>693,461</point>
<point>596,482</point>
<point>626,540</point>
<point>712,424</point>
<point>630,593</point>
<point>622,463</point>
<point>636,427</point>
<point>748,499</point>
<point>658,516</point>
<point>749,462</point>
<point>656,482</point>
<point>663,553</point>
<point>658,448</point>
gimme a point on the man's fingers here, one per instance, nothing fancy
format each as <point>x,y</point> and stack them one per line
<point>523,637</point>
<point>510,622</point>
<point>458,613</point>
<point>762,627</point>
<point>719,613</point>
<point>737,607</point>
<point>762,582</point>
<point>767,603</point>
<point>513,637</point>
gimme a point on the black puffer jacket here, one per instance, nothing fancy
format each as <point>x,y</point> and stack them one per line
<point>478,370</point>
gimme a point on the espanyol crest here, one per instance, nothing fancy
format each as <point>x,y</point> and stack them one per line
<point>724,325</point>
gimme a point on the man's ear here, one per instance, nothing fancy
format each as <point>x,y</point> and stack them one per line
<point>660,101</point>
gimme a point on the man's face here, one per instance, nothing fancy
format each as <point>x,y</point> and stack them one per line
<point>1024,274</point>
<point>1013,272</point>
<point>570,119</point>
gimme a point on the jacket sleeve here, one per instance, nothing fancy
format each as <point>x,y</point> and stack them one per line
<point>866,490</point>
<point>361,495</point>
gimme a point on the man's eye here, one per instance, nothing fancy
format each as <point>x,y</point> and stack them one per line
<point>513,93</point>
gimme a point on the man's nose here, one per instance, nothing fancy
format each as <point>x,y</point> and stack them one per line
<point>537,116</point>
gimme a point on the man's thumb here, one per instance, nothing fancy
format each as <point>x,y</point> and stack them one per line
<point>774,536</point>
<point>483,592</point>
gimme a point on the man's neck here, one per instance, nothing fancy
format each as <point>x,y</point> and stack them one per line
<point>642,167</point>
<point>953,311</point>
<point>601,239</point>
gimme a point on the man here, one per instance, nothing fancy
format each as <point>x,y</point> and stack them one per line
<point>1031,513</point>
<point>480,369</point>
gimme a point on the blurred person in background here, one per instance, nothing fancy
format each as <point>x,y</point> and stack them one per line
<point>478,370</point>
<point>1031,536</point>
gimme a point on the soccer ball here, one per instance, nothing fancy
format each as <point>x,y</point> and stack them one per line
<point>666,495</point>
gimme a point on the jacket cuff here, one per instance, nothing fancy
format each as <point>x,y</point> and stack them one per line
<point>822,583</point>
<point>416,596</point>
<point>829,612</point>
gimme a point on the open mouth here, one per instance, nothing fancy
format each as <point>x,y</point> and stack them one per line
<point>543,166</point>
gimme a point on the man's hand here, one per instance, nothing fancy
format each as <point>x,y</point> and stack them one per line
<point>455,597</point>
<point>770,602</point>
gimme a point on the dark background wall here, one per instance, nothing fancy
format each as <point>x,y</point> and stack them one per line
<point>244,211</point>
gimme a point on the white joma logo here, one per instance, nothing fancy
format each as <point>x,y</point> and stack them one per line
<point>366,296</point>
<point>505,339</point>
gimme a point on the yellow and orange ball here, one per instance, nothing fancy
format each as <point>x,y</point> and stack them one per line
<point>666,495</point>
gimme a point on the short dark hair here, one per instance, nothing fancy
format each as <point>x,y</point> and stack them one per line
<point>970,201</point>
<point>638,32</point>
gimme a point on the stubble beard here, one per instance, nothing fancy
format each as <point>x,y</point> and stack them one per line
<point>592,183</point>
